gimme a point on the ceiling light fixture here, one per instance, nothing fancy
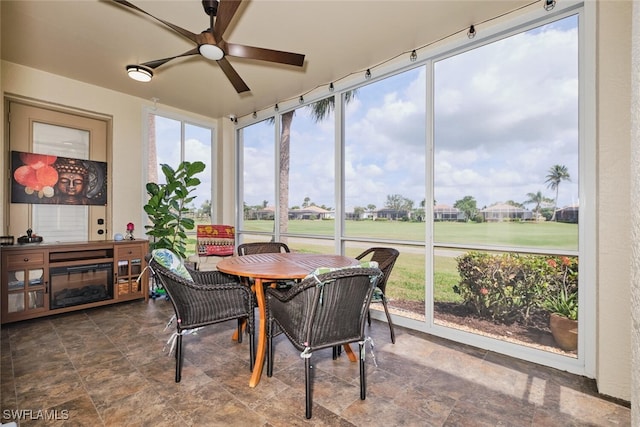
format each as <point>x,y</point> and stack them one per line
<point>211,52</point>
<point>331,88</point>
<point>549,4</point>
<point>414,56</point>
<point>139,73</point>
<point>367,74</point>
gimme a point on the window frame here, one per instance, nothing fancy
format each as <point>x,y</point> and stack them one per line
<point>184,120</point>
<point>584,364</point>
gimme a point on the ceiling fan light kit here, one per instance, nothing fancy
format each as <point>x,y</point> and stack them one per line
<point>211,45</point>
<point>211,52</point>
<point>139,73</point>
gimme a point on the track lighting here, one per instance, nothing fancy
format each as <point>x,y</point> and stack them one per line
<point>367,74</point>
<point>414,56</point>
<point>139,73</point>
<point>472,32</point>
<point>549,4</point>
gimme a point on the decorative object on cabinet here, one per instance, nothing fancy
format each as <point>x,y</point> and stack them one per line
<point>130,228</point>
<point>29,238</point>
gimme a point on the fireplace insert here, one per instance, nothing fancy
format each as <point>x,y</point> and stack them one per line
<point>80,284</point>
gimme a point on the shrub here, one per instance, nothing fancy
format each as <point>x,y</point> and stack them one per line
<point>508,287</point>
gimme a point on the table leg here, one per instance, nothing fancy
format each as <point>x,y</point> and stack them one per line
<point>234,337</point>
<point>262,334</point>
<point>350,353</point>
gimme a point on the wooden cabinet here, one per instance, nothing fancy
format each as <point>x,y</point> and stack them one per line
<point>43,279</point>
<point>24,285</point>
<point>129,263</point>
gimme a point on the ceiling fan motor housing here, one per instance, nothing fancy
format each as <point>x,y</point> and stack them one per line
<point>210,7</point>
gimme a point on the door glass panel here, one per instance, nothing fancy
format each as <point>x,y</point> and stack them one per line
<point>257,184</point>
<point>136,266</point>
<point>15,302</point>
<point>36,299</point>
<point>16,280</point>
<point>35,277</point>
<point>61,223</point>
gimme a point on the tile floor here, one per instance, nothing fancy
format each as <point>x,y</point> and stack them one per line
<point>106,367</point>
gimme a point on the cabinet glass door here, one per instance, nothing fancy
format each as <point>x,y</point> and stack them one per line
<point>23,292</point>
<point>136,269</point>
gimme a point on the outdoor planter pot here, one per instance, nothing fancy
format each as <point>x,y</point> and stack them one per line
<point>564,331</point>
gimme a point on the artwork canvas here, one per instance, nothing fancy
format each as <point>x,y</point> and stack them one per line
<point>49,179</point>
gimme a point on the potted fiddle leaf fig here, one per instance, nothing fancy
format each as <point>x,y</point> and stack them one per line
<point>167,207</point>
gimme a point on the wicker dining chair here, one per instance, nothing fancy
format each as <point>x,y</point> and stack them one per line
<point>386,259</point>
<point>322,311</point>
<point>206,298</point>
<point>262,248</point>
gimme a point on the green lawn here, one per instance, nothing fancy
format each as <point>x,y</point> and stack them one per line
<point>519,234</point>
<point>408,277</point>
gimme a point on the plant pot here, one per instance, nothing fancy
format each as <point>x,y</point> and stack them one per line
<point>564,331</point>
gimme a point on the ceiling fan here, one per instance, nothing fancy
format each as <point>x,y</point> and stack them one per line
<point>211,44</point>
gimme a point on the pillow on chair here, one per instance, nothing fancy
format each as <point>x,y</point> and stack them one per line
<point>322,270</point>
<point>171,262</point>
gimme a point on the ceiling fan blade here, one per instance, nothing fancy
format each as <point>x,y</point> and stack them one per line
<point>186,33</point>
<point>158,62</point>
<point>251,52</point>
<point>226,10</point>
<point>233,76</point>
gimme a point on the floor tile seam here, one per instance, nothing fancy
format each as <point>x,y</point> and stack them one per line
<point>77,372</point>
<point>135,368</point>
<point>13,376</point>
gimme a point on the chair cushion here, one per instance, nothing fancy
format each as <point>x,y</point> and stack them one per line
<point>171,262</point>
<point>322,270</point>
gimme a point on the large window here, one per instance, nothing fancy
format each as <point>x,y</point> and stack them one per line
<point>174,140</point>
<point>506,155</point>
<point>470,163</point>
<point>257,189</point>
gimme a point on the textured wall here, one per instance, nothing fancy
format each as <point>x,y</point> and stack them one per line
<point>635,220</point>
<point>614,207</point>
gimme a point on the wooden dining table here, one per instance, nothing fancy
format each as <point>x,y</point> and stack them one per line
<point>264,268</point>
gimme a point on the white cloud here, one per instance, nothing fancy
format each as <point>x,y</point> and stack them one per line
<point>504,114</point>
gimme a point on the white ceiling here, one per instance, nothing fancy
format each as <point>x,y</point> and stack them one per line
<point>93,40</point>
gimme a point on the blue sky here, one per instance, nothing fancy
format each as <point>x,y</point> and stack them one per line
<point>504,114</point>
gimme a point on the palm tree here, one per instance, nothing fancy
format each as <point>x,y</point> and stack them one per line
<point>319,111</point>
<point>557,174</point>
<point>538,199</point>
